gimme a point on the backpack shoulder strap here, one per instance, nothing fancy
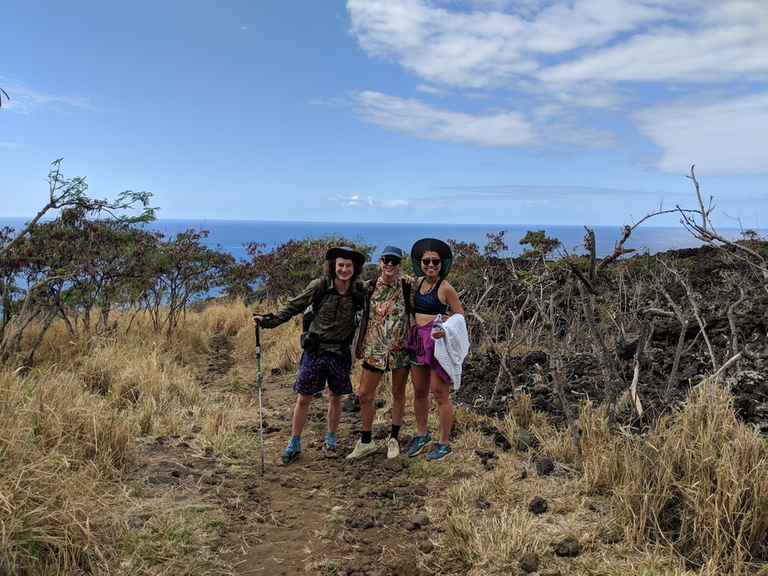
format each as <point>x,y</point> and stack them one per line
<point>369,287</point>
<point>406,295</point>
<point>321,294</point>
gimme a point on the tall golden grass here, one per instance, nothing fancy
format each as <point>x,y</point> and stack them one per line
<point>697,484</point>
<point>62,450</point>
<point>688,497</point>
<point>68,430</point>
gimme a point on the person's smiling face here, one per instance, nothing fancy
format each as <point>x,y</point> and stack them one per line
<point>430,264</point>
<point>390,266</point>
<point>345,268</point>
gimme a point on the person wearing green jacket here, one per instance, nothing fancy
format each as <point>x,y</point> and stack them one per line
<point>327,357</point>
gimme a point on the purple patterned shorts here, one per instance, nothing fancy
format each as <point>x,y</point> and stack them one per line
<point>313,373</point>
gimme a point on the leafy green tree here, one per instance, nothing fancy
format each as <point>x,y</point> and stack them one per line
<point>183,269</point>
<point>68,264</point>
<point>541,245</point>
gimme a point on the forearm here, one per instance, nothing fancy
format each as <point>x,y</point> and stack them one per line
<point>294,306</point>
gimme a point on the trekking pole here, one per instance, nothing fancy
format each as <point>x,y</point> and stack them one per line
<point>261,419</point>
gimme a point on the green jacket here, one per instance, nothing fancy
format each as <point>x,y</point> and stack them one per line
<point>334,323</point>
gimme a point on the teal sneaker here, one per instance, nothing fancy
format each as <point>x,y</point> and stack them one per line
<point>418,444</point>
<point>439,451</point>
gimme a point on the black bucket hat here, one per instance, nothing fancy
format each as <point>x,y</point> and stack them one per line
<point>345,252</point>
<point>431,245</point>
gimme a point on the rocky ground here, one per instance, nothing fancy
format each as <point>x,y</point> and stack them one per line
<point>334,516</point>
<point>316,516</point>
<point>371,516</point>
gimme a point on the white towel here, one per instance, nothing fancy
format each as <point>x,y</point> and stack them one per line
<point>451,349</point>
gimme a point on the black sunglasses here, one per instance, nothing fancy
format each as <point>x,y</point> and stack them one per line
<point>433,261</point>
<point>391,260</point>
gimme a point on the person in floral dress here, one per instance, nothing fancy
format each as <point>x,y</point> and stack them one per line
<point>383,350</point>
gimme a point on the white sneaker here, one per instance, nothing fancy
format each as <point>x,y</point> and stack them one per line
<point>393,448</point>
<point>362,450</point>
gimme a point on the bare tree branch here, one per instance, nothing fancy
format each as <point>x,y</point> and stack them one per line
<point>707,234</point>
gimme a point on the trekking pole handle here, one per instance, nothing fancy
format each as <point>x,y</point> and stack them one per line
<point>258,339</point>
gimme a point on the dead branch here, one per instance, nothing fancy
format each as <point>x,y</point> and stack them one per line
<point>502,370</point>
<point>618,248</point>
<point>501,356</point>
<point>591,243</point>
<point>659,312</point>
<point>692,298</point>
<point>580,275</point>
<point>716,376</point>
<point>707,234</point>
<point>732,320</point>
<point>646,329</point>
<point>678,312</point>
<point>626,232</point>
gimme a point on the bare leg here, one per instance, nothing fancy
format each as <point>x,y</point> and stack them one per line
<point>369,381</point>
<point>399,380</point>
<point>334,411</point>
<point>444,407</point>
<point>420,378</point>
<point>300,413</point>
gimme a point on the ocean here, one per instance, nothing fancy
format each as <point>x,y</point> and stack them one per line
<point>231,235</point>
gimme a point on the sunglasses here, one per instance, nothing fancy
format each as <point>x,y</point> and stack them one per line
<point>391,260</point>
<point>433,261</point>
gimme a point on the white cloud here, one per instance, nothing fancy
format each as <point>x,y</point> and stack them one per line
<point>357,201</point>
<point>428,89</point>
<point>417,119</point>
<point>25,100</point>
<point>713,54</point>
<point>720,137</point>
<point>557,72</point>
<point>488,48</point>
<point>413,118</point>
<point>548,194</point>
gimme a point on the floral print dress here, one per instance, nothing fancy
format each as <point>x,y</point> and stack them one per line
<point>383,347</point>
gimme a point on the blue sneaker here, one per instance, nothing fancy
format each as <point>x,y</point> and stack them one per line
<point>330,447</point>
<point>288,458</point>
<point>292,452</point>
<point>439,451</point>
<point>418,444</point>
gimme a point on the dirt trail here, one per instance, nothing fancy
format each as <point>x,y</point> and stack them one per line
<point>319,515</point>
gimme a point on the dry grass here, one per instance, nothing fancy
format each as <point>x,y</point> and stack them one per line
<point>690,498</point>
<point>698,484</point>
<point>62,452</point>
<point>67,433</point>
<point>687,498</point>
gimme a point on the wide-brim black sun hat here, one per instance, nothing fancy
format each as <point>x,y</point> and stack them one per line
<point>431,245</point>
<point>345,252</point>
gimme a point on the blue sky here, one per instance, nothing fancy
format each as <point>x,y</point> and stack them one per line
<point>586,112</point>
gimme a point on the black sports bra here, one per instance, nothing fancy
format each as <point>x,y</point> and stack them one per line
<point>428,303</point>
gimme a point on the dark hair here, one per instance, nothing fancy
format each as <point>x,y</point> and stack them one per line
<point>329,269</point>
